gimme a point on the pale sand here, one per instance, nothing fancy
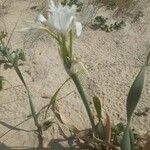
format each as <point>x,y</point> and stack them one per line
<point>114,57</point>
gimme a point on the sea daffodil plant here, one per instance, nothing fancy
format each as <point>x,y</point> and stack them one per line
<point>61,23</point>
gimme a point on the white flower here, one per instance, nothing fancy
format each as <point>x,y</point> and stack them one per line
<point>62,18</point>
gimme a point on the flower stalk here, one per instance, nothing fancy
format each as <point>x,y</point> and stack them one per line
<point>66,51</point>
<point>77,82</point>
<point>39,128</point>
<point>67,61</point>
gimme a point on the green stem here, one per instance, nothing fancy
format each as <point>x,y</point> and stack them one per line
<point>76,81</point>
<point>67,61</point>
<point>39,128</point>
<point>71,39</point>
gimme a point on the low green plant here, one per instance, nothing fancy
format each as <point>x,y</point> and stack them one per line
<point>101,23</point>
<point>78,3</point>
<point>1,82</point>
<point>12,58</point>
<point>117,133</point>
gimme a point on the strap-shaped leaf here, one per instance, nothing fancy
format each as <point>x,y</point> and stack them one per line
<point>97,105</point>
<point>135,93</point>
<point>1,82</point>
<point>132,100</point>
<point>132,139</point>
<point>99,127</point>
<point>128,140</point>
<point>100,130</point>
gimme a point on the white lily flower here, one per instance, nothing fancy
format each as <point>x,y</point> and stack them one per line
<point>62,18</point>
<point>41,18</point>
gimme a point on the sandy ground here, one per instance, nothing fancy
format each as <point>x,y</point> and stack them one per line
<point>114,58</point>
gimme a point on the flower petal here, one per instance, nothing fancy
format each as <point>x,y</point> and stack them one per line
<point>73,9</point>
<point>78,26</point>
<point>51,5</point>
<point>61,18</point>
<point>50,21</point>
<point>41,18</point>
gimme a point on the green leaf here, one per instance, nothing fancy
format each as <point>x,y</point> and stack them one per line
<point>16,55</point>
<point>1,82</point>
<point>100,133</point>
<point>119,128</point>
<point>126,141</point>
<point>131,138</point>
<point>2,35</point>
<point>21,54</point>
<point>135,93</point>
<point>100,130</point>
<point>117,133</point>
<point>97,106</point>
<point>99,127</point>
